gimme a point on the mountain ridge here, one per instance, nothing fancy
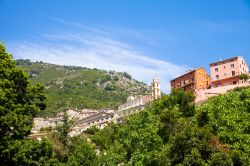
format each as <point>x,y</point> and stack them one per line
<point>70,87</point>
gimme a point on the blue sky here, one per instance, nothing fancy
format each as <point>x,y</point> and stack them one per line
<point>145,38</point>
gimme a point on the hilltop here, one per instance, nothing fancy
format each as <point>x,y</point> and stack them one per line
<point>81,87</point>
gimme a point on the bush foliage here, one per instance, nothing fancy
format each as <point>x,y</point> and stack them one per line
<point>172,131</point>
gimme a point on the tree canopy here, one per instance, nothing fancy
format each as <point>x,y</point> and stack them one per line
<point>173,131</point>
<point>20,102</point>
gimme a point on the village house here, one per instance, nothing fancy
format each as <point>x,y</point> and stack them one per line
<point>54,121</point>
<point>45,123</point>
<point>225,76</point>
<point>228,71</point>
<point>192,80</point>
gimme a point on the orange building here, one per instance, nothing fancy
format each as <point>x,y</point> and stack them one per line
<point>226,72</point>
<point>192,80</point>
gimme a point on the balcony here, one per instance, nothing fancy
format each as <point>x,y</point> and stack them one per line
<point>187,83</point>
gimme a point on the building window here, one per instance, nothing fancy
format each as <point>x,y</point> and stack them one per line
<point>224,67</point>
<point>216,69</point>
<point>234,82</point>
<point>225,74</point>
<point>233,73</point>
<point>232,65</point>
<point>182,83</point>
<point>217,77</point>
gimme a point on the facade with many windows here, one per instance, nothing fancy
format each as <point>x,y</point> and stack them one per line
<point>227,72</point>
<point>100,120</point>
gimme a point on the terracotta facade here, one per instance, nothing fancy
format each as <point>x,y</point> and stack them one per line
<point>192,80</point>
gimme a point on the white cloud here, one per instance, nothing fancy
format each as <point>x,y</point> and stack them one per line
<point>96,49</point>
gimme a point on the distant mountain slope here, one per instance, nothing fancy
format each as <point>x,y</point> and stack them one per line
<point>80,87</point>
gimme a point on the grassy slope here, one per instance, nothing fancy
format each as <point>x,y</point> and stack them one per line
<point>78,87</point>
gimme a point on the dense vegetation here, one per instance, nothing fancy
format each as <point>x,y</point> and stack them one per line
<point>19,103</point>
<point>173,132</point>
<point>170,131</point>
<point>78,87</point>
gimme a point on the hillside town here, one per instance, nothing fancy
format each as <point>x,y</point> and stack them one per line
<point>87,118</point>
<point>125,83</point>
<point>225,76</point>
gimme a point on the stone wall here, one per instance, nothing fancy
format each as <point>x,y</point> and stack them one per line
<point>204,94</point>
<point>142,100</point>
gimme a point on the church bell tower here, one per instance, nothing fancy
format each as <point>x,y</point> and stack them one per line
<point>155,88</point>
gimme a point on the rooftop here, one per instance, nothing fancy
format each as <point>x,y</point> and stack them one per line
<point>188,72</point>
<point>226,60</point>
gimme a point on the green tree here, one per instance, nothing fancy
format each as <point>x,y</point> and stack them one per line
<point>185,101</point>
<point>23,62</point>
<point>65,128</point>
<point>244,77</point>
<point>228,116</point>
<point>190,144</point>
<point>81,152</point>
<point>171,131</point>
<point>109,87</point>
<point>92,130</point>
<point>61,138</point>
<point>29,152</point>
<point>20,102</point>
<point>126,75</point>
<point>221,159</point>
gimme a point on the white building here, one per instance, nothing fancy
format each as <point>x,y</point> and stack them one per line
<point>45,123</point>
<point>53,122</point>
<point>100,120</point>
